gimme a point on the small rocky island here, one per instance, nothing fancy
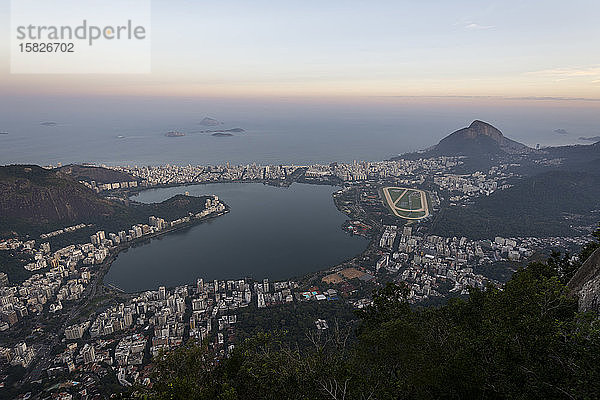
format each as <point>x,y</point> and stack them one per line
<point>174,134</point>
<point>207,121</point>
<point>224,132</point>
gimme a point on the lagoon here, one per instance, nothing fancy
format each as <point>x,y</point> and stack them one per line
<point>271,232</point>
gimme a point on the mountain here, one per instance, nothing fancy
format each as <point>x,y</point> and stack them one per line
<point>478,139</point>
<point>35,200</point>
<point>33,196</point>
<point>97,174</point>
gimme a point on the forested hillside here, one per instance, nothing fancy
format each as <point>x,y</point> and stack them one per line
<point>541,205</point>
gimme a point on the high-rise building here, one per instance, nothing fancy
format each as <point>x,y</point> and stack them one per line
<point>128,318</point>
<point>74,332</point>
<point>3,279</point>
<point>89,355</point>
<point>261,301</point>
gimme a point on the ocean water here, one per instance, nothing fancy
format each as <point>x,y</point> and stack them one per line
<point>130,131</point>
<point>271,232</point>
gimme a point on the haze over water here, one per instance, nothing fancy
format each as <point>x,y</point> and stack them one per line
<point>278,131</point>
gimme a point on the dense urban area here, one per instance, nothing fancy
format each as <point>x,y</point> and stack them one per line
<point>65,331</point>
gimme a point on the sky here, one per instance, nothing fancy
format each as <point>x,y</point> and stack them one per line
<point>349,48</point>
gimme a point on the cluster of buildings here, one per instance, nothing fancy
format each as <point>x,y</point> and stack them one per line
<point>347,172</point>
<point>39,256</point>
<point>62,282</point>
<point>177,175</point>
<point>125,335</point>
<point>425,262</point>
<point>70,271</point>
<point>16,244</point>
<point>28,248</point>
<point>428,263</point>
<point>100,187</point>
<point>478,183</point>
<point>402,171</point>
<point>68,229</point>
<point>155,225</point>
<point>20,354</point>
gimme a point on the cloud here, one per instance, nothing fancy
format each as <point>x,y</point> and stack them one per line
<point>550,98</point>
<point>472,26</point>
<point>590,138</point>
<point>491,97</point>
<point>562,74</point>
<point>561,131</point>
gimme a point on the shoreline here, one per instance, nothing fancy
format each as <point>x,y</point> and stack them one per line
<point>105,266</point>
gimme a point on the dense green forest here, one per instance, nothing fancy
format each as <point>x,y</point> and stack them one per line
<point>542,205</point>
<point>525,340</point>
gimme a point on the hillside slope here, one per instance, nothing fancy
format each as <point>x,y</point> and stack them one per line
<point>542,205</point>
<point>586,283</point>
<point>35,200</point>
<point>97,174</point>
<point>34,196</point>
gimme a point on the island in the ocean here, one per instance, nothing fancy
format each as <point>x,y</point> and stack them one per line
<point>207,121</point>
<point>223,132</point>
<point>174,134</point>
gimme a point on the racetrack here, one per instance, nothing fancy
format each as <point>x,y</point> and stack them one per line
<point>400,201</point>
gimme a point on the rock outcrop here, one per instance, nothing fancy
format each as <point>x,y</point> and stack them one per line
<point>586,283</point>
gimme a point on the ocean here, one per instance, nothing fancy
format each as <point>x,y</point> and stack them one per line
<point>131,131</point>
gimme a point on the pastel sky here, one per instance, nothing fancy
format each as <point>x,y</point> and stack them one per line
<point>241,48</point>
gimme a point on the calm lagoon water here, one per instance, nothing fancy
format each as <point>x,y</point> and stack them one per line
<point>271,232</point>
